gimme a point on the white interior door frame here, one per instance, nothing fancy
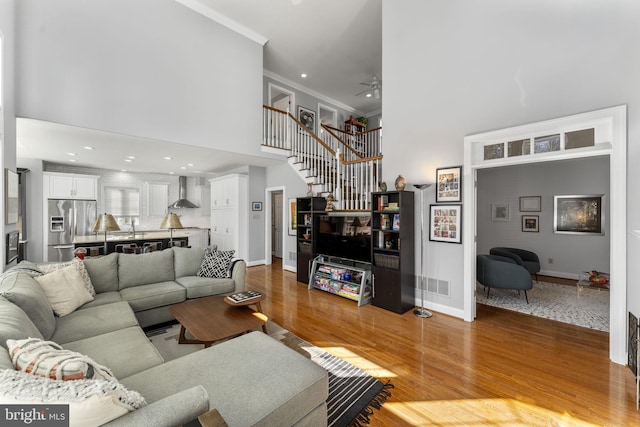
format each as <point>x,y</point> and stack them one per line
<point>268,193</point>
<point>610,132</point>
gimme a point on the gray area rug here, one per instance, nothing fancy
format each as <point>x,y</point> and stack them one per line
<point>587,307</point>
<point>352,392</point>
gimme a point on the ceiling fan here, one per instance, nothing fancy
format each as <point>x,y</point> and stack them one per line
<point>373,88</point>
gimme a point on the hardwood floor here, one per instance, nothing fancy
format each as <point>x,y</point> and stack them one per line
<point>503,369</point>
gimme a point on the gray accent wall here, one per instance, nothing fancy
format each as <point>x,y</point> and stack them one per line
<point>570,254</point>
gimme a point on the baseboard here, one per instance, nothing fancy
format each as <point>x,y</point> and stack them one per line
<point>289,268</point>
<point>440,308</point>
<point>560,274</point>
<point>254,263</point>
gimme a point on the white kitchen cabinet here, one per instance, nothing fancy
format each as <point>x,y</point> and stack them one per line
<point>157,198</point>
<point>229,213</point>
<point>70,186</point>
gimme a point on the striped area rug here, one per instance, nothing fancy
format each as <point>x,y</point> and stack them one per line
<point>353,394</point>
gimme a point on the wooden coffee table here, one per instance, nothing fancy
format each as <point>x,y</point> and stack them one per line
<point>211,319</point>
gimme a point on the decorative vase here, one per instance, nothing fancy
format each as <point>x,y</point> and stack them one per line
<point>383,186</point>
<point>400,183</point>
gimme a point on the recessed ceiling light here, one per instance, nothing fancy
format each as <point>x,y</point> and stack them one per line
<point>167,158</point>
<point>128,160</point>
<point>72,160</point>
<point>189,164</point>
<point>197,171</point>
<point>131,157</point>
<point>171,173</point>
<point>71,154</point>
<point>123,170</point>
<point>86,147</point>
<point>368,95</point>
<point>183,167</point>
<point>303,75</point>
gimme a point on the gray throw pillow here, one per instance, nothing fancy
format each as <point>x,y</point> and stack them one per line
<point>216,264</point>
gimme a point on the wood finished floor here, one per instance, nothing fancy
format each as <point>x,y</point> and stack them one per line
<point>504,369</point>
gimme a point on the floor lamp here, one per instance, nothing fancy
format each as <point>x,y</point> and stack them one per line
<point>422,312</point>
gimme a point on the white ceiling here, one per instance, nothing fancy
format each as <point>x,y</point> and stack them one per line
<point>337,43</point>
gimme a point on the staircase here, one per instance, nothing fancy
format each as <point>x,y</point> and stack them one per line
<point>342,164</point>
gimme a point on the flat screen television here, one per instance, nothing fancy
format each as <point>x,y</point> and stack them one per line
<point>345,235</point>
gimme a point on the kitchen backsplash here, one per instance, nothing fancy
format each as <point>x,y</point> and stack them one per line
<point>196,217</point>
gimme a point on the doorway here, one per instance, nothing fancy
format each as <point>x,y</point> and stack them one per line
<point>491,149</point>
<point>281,98</point>
<point>275,214</point>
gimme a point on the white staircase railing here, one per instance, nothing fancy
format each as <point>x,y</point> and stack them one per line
<point>327,164</point>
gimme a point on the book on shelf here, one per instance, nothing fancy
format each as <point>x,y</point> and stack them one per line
<point>244,296</point>
<point>383,201</point>
<point>396,222</point>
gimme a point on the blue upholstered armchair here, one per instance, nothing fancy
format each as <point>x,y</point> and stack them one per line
<point>527,259</point>
<point>493,271</point>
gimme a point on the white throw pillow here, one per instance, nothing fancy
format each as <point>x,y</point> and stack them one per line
<point>47,359</point>
<point>79,264</point>
<point>91,402</point>
<point>65,290</point>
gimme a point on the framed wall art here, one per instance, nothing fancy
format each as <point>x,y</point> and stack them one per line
<point>12,246</point>
<point>578,214</point>
<point>256,206</point>
<point>530,204</point>
<point>293,214</point>
<point>307,118</point>
<point>449,182</point>
<point>500,212</point>
<point>10,196</point>
<point>530,223</point>
<point>445,223</point>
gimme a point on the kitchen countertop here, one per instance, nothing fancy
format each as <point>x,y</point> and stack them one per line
<point>124,236</point>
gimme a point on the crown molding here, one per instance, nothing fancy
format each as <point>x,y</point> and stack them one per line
<point>224,20</point>
<point>308,91</point>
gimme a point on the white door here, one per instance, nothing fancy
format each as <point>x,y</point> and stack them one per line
<point>276,225</point>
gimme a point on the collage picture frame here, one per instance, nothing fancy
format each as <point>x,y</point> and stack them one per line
<point>445,223</point>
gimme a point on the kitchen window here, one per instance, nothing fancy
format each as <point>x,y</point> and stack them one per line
<point>124,204</point>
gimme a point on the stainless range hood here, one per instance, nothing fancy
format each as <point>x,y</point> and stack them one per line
<point>182,201</point>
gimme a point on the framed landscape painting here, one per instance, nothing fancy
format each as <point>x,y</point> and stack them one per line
<point>578,214</point>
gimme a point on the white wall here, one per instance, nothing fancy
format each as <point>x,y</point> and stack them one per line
<point>571,254</point>
<point>7,110</point>
<point>461,67</point>
<point>256,218</point>
<point>149,68</point>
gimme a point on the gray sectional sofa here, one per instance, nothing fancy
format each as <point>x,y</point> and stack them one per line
<point>251,380</point>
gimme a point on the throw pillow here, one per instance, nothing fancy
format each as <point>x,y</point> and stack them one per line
<point>48,359</point>
<point>78,264</point>
<point>216,264</point>
<point>91,402</point>
<point>65,290</point>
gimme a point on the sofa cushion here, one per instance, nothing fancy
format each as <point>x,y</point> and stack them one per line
<point>204,286</point>
<point>78,264</point>
<point>103,272</point>
<point>126,352</point>
<point>47,359</point>
<point>25,266</point>
<point>14,323</point>
<point>153,267</point>
<point>187,261</point>
<point>262,395</point>
<point>93,321</point>
<point>5,359</point>
<point>144,297</point>
<point>91,402</point>
<point>22,290</point>
<point>104,298</point>
<point>216,264</point>
<point>65,290</point>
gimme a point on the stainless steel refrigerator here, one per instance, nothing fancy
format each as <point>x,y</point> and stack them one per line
<point>68,219</point>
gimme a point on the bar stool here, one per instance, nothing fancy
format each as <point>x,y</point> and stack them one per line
<point>120,248</point>
<point>155,246</point>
